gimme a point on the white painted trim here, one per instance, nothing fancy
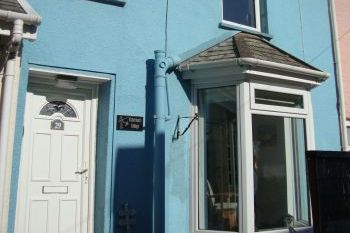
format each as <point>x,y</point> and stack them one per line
<point>215,84</point>
<point>256,75</point>
<point>289,151</point>
<point>347,136</point>
<point>23,180</point>
<point>257,15</point>
<point>258,86</point>
<point>193,169</point>
<point>273,113</point>
<point>309,125</point>
<point>246,135</point>
<point>254,62</point>
<point>229,24</point>
<point>254,70</point>
<point>26,35</point>
<point>92,160</point>
<point>52,73</point>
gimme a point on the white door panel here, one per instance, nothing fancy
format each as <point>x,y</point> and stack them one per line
<point>53,192</point>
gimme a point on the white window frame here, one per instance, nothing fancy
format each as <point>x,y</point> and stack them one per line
<point>194,220</point>
<point>245,111</point>
<point>264,87</point>
<point>234,25</point>
<point>347,136</point>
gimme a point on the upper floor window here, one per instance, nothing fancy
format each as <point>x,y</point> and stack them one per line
<point>240,11</point>
<point>251,14</point>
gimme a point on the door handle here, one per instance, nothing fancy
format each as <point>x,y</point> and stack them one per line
<point>81,171</point>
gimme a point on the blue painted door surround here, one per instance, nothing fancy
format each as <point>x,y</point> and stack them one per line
<point>88,36</point>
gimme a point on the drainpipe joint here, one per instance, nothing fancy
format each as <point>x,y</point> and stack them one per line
<point>16,37</point>
<point>163,62</point>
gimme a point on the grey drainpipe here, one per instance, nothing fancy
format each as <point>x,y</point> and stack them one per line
<point>29,19</point>
<point>18,20</point>
<point>338,76</point>
<point>5,113</point>
<point>161,66</point>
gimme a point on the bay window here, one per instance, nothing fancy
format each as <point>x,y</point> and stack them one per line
<point>255,124</point>
<point>249,161</point>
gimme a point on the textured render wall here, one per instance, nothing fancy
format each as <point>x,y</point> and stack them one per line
<point>342,8</point>
<point>94,37</point>
<point>302,28</point>
<point>318,51</point>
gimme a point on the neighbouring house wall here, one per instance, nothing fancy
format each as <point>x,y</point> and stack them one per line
<point>94,37</point>
<point>342,11</point>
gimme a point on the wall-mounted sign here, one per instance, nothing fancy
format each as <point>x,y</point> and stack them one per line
<point>57,124</point>
<point>130,123</point>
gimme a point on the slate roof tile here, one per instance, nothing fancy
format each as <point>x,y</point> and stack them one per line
<point>11,5</point>
<point>244,45</point>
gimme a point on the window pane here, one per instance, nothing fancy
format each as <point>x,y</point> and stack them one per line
<point>278,99</point>
<point>239,11</point>
<point>279,165</point>
<point>218,162</point>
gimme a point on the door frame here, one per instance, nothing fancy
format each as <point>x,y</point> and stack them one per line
<point>88,83</point>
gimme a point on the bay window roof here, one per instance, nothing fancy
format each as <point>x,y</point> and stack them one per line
<point>249,53</point>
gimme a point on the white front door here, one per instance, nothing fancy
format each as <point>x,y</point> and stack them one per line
<point>57,154</point>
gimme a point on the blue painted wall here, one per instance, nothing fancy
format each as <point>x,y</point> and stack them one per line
<point>89,36</point>
<point>302,28</point>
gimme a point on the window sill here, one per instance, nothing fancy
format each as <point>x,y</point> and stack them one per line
<point>229,25</point>
<point>112,2</point>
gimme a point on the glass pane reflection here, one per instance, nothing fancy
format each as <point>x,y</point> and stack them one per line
<point>279,165</point>
<point>239,11</point>
<point>218,162</point>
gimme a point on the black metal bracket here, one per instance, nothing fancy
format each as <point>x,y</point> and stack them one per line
<point>177,133</point>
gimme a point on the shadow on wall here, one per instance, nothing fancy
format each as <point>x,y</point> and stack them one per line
<point>133,184</point>
<point>133,181</point>
<point>134,170</point>
<point>120,3</point>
